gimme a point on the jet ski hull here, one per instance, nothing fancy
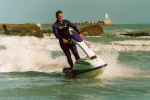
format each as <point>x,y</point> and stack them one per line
<point>93,72</point>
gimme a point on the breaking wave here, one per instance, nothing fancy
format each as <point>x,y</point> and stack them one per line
<point>132,45</point>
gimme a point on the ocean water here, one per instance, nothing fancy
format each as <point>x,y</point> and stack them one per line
<point>30,68</point>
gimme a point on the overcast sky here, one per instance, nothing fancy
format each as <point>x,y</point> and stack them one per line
<point>43,11</point>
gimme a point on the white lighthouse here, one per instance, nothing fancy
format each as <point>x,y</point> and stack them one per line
<point>107,21</point>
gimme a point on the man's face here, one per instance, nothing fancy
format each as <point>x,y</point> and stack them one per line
<point>60,17</point>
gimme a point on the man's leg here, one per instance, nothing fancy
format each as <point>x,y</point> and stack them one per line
<point>74,50</point>
<point>66,50</point>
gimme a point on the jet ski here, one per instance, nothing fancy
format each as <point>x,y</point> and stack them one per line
<point>90,66</point>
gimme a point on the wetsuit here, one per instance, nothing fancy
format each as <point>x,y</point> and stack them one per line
<point>61,30</point>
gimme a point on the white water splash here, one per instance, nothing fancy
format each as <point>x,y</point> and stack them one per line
<point>29,54</point>
<point>19,54</point>
<point>114,69</point>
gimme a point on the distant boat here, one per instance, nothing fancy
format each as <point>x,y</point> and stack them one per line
<point>107,21</point>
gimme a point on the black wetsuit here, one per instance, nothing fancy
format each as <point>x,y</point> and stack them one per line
<point>61,30</point>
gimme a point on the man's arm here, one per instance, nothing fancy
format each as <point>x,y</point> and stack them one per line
<point>73,26</point>
<point>55,31</point>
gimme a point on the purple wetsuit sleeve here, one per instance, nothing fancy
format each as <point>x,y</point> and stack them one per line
<point>73,26</point>
<point>55,31</point>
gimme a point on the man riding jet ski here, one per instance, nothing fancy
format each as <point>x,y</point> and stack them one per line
<point>68,41</point>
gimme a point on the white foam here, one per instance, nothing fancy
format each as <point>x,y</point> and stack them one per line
<point>29,54</point>
<point>132,45</point>
<point>34,54</point>
<point>114,69</point>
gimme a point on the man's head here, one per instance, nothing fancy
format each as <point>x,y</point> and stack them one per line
<point>59,15</point>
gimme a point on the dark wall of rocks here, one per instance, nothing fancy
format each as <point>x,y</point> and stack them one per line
<point>92,30</point>
<point>24,30</point>
<point>136,34</point>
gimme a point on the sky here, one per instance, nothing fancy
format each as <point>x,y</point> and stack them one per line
<point>43,11</point>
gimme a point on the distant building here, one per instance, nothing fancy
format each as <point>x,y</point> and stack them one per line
<point>39,25</point>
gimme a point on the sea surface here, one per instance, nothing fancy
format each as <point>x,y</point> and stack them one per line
<point>31,68</point>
